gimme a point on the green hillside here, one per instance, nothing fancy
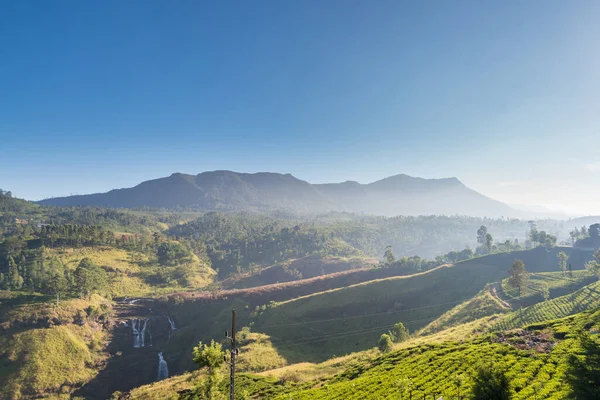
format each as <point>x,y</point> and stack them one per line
<point>539,259</point>
<point>349,319</point>
<point>535,361</point>
<point>586,298</point>
<point>296,269</point>
<point>54,352</point>
<point>484,304</point>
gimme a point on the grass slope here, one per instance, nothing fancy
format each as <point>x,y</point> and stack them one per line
<point>132,273</point>
<point>484,304</point>
<point>341,321</point>
<point>539,259</point>
<point>38,361</point>
<point>302,268</point>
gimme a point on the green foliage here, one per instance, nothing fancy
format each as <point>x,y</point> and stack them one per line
<point>399,333</point>
<point>583,373</point>
<point>211,357</point>
<point>586,298</point>
<point>170,253</point>
<point>490,384</point>
<point>562,261</point>
<point>518,276</point>
<point>234,243</point>
<point>89,278</point>
<point>389,256</point>
<point>384,344</point>
<point>208,355</point>
<point>37,362</point>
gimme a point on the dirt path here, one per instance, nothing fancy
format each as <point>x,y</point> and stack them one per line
<point>494,293</point>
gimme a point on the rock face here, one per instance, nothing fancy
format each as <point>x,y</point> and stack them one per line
<point>227,190</point>
<point>136,348</point>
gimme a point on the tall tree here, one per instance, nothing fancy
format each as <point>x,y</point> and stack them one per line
<point>562,261</point>
<point>489,242</point>
<point>518,276</point>
<point>57,285</point>
<point>481,235</point>
<point>15,280</point>
<point>389,256</point>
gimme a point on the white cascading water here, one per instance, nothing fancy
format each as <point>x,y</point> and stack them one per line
<point>163,370</point>
<point>139,335</point>
<point>173,328</point>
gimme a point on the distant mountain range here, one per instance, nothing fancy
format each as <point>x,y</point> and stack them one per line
<point>227,190</point>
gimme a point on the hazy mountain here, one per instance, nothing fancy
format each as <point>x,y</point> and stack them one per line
<point>226,190</point>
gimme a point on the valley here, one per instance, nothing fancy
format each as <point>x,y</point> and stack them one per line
<point>118,299</point>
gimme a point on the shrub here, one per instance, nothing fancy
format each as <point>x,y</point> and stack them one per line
<point>385,343</point>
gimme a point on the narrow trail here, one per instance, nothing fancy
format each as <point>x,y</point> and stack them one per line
<point>494,293</point>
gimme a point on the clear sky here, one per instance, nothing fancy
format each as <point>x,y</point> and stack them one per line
<point>504,95</point>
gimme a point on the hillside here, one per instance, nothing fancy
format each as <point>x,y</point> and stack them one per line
<point>536,361</point>
<point>586,298</point>
<point>297,269</point>
<point>226,190</point>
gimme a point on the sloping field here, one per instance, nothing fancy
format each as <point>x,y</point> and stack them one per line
<point>534,371</point>
<point>302,268</point>
<point>341,321</point>
<point>484,304</point>
<point>539,259</point>
<point>586,298</point>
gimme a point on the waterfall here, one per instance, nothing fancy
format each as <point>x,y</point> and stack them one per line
<point>173,328</point>
<point>163,370</point>
<point>139,335</point>
<point>135,332</point>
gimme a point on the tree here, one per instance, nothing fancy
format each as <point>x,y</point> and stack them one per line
<point>583,371</point>
<point>594,231</point>
<point>489,241</point>
<point>169,253</point>
<point>212,357</point>
<point>89,278</point>
<point>399,333</point>
<point>490,384</point>
<point>594,265</point>
<point>15,280</point>
<point>384,344</point>
<point>574,235</point>
<point>57,285</point>
<point>389,256</point>
<point>533,233</point>
<point>481,235</point>
<point>518,276</point>
<point>562,261</point>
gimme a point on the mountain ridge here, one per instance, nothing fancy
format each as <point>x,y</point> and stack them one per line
<point>228,190</point>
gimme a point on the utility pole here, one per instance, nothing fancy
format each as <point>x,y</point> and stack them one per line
<point>233,353</point>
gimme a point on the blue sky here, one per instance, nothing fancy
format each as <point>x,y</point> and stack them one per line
<point>503,95</point>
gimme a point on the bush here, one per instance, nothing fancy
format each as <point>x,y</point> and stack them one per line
<point>385,343</point>
<point>490,384</point>
<point>399,333</point>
